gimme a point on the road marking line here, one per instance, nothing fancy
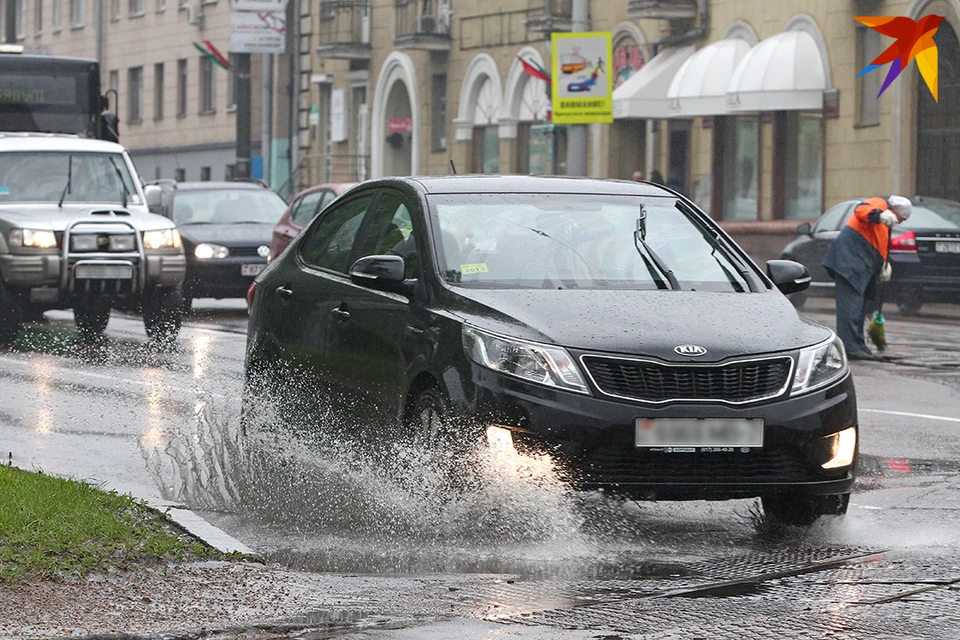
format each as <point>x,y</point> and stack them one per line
<point>911,415</point>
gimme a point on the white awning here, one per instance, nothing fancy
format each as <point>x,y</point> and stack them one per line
<point>700,86</point>
<point>644,94</point>
<point>783,72</point>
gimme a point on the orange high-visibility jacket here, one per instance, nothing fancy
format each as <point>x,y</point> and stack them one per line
<point>866,221</point>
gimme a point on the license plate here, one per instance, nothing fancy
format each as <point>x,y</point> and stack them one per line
<point>251,269</point>
<point>947,247</point>
<point>103,272</point>
<point>696,432</point>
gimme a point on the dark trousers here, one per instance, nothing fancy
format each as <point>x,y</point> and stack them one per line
<point>852,308</point>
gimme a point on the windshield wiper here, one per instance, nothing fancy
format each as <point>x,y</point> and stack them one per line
<point>123,185</point>
<point>640,240</point>
<point>66,188</point>
<point>715,240</point>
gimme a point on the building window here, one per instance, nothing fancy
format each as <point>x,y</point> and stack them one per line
<point>803,189</point>
<point>208,86</point>
<point>21,10</point>
<point>158,91</point>
<point>135,93</point>
<point>114,83</point>
<point>740,178</point>
<point>156,173</point>
<point>205,174</point>
<point>868,85</point>
<point>181,88</point>
<point>77,9</point>
<point>56,20</point>
<point>180,174</point>
<point>115,9</point>
<point>38,16</point>
<point>137,7</point>
<point>161,6</point>
<point>438,101</point>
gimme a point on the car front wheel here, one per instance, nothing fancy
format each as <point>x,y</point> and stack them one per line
<point>162,313</point>
<point>10,316</point>
<point>91,318</point>
<point>803,510</point>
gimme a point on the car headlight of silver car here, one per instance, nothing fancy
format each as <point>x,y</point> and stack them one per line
<point>207,251</point>
<point>819,365</point>
<point>37,238</point>
<point>162,239</point>
<point>543,364</point>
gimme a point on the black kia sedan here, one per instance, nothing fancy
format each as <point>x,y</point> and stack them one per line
<point>226,229</point>
<point>609,324</point>
<point>924,253</point>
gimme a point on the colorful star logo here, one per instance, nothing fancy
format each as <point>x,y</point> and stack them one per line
<point>914,41</point>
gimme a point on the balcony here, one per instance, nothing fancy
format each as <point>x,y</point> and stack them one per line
<point>423,24</point>
<point>547,16</point>
<point>344,29</point>
<point>662,9</point>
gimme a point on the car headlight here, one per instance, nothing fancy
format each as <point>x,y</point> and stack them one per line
<point>162,239</point>
<point>539,363</point>
<point>37,238</point>
<point>819,365</point>
<point>206,251</point>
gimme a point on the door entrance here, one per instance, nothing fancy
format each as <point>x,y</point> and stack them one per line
<point>938,123</point>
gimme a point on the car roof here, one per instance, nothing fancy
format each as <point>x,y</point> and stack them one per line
<point>213,185</point>
<point>18,141</point>
<point>487,183</point>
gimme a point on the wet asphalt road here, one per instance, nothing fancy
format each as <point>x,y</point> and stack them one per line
<point>518,555</point>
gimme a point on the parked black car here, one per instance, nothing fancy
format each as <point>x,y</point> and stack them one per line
<point>609,324</point>
<point>226,229</point>
<point>924,253</point>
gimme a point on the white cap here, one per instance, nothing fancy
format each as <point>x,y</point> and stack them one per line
<point>901,206</point>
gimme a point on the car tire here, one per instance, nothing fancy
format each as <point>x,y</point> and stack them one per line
<point>91,318</point>
<point>803,510</point>
<point>162,313</point>
<point>10,316</point>
<point>428,420</point>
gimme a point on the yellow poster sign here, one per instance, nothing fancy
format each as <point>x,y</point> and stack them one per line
<point>581,86</point>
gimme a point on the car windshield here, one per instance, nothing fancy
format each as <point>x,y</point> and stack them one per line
<point>227,206</point>
<point>53,176</point>
<point>577,242</point>
<point>934,215</point>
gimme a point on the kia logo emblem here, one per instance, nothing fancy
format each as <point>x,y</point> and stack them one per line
<point>692,350</point>
<point>263,251</point>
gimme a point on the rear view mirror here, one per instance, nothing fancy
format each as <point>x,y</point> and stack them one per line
<point>788,276</point>
<point>378,272</point>
<point>804,229</point>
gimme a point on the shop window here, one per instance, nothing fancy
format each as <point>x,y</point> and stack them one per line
<point>803,168</point>
<point>868,85</point>
<point>741,150</point>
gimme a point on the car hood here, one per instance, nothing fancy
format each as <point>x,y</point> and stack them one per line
<point>50,216</point>
<point>651,323</point>
<point>228,235</point>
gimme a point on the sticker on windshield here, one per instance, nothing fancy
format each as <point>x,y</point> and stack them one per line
<point>468,269</point>
<point>4,191</point>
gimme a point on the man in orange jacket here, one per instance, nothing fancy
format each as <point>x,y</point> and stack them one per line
<point>857,261</point>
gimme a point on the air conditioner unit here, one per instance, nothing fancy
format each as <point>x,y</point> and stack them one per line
<point>194,13</point>
<point>426,24</point>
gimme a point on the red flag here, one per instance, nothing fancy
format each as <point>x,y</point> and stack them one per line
<point>220,58</point>
<point>534,71</point>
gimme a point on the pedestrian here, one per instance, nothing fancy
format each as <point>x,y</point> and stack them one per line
<point>857,262</point>
<point>656,177</point>
<point>638,175</point>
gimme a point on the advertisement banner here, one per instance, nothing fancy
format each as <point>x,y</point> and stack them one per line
<point>257,32</point>
<point>582,86</point>
<point>258,5</point>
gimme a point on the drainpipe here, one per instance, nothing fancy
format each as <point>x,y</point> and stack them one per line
<point>681,38</point>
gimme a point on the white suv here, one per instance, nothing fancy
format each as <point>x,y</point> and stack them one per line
<point>76,232</point>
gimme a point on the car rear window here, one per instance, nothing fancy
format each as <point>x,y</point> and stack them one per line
<point>583,242</point>
<point>933,216</point>
<point>227,206</point>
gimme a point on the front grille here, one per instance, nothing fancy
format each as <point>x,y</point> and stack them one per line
<point>644,380</point>
<point>244,252</point>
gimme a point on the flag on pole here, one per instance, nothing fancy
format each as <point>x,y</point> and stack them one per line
<point>212,53</point>
<point>531,68</point>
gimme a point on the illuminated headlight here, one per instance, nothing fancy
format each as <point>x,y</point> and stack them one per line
<point>539,363</point>
<point>206,251</point>
<point>161,239</point>
<point>841,446</point>
<point>37,238</point>
<point>820,365</point>
<point>122,243</point>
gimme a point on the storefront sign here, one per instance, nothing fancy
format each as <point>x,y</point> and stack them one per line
<point>582,86</point>
<point>399,125</point>
<point>257,32</point>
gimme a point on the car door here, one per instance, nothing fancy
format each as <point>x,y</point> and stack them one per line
<point>371,337</point>
<point>303,289</point>
<point>825,230</point>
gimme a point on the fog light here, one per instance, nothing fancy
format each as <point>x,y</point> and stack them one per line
<point>499,438</point>
<point>842,446</point>
<point>83,243</point>
<point>122,243</point>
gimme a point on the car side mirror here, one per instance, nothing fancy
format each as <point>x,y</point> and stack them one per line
<point>384,273</point>
<point>788,276</point>
<point>804,229</point>
<point>154,196</point>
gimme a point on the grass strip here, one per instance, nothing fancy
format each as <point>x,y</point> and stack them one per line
<point>54,528</point>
